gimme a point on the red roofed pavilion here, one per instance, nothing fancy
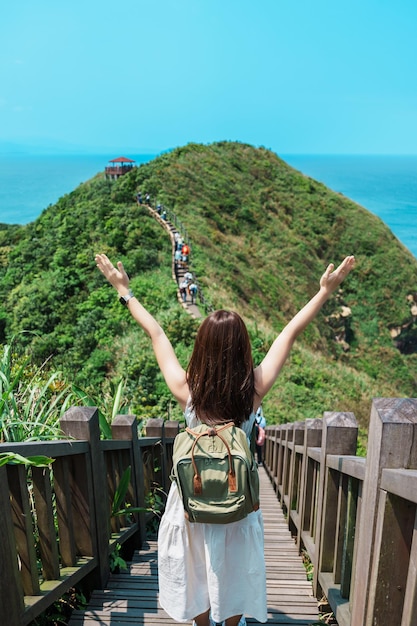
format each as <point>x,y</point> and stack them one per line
<point>121,165</point>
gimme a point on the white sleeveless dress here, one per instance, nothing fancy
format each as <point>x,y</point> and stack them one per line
<point>216,566</point>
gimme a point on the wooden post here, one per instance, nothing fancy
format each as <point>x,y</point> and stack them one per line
<point>171,430</point>
<point>154,427</point>
<point>294,476</point>
<point>409,616</point>
<point>82,423</point>
<point>275,454</point>
<point>125,427</point>
<point>270,447</point>
<point>312,438</point>
<point>349,553</point>
<point>388,580</point>
<point>280,460</point>
<point>392,443</point>
<point>11,592</point>
<point>42,492</point>
<point>267,449</point>
<point>17,479</point>
<point>64,511</point>
<point>289,430</point>
<point>340,434</point>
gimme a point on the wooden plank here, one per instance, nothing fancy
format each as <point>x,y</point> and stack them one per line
<point>131,597</point>
<point>42,492</point>
<point>64,511</point>
<point>53,590</point>
<point>393,537</point>
<point>409,616</point>
<point>11,595</point>
<point>23,528</point>
<point>401,482</point>
<point>349,538</point>
<point>350,465</point>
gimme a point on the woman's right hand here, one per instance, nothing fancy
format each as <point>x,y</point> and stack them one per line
<point>117,277</point>
<point>332,277</point>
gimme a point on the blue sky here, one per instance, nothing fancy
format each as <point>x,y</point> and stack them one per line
<point>296,76</point>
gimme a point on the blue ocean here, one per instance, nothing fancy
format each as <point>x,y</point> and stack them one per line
<point>385,185</point>
<point>30,183</point>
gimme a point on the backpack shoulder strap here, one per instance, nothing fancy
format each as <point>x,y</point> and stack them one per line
<point>253,439</point>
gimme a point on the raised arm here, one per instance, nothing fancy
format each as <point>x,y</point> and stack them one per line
<point>266,373</point>
<point>170,367</point>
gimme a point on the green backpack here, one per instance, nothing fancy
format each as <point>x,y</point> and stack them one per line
<point>216,474</point>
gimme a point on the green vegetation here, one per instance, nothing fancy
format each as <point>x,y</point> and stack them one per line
<point>261,235</point>
<point>17,459</point>
<point>32,399</point>
<point>60,612</point>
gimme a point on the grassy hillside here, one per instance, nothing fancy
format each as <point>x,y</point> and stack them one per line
<point>261,235</point>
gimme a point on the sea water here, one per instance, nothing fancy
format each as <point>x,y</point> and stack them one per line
<point>30,183</point>
<point>385,185</point>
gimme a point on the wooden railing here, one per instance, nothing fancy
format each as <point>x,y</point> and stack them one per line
<point>114,171</point>
<point>355,517</point>
<point>56,527</point>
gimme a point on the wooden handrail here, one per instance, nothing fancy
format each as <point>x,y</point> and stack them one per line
<point>355,517</point>
<point>59,518</point>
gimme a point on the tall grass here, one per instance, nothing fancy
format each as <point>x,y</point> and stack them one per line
<point>32,400</point>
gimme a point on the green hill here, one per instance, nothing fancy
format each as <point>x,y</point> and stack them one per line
<point>261,236</point>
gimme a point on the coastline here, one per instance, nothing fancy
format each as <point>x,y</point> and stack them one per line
<point>31,183</point>
<point>384,185</point>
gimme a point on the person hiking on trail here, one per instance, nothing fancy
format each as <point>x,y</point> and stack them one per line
<point>216,572</point>
<point>185,251</point>
<point>183,290</point>
<point>192,290</point>
<point>177,257</point>
<point>188,276</point>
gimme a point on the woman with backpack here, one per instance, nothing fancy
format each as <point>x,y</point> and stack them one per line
<point>212,573</point>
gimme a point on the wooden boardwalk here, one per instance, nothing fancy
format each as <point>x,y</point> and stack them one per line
<point>132,597</point>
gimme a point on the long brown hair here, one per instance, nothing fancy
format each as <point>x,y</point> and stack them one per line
<point>220,372</point>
